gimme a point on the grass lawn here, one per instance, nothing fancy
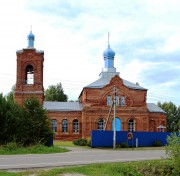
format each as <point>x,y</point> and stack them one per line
<point>70,144</point>
<point>38,149</point>
<point>64,143</point>
<point>141,168</point>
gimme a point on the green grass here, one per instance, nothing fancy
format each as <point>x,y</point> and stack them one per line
<point>141,168</point>
<point>70,144</point>
<point>64,143</point>
<point>38,149</point>
<point>67,144</point>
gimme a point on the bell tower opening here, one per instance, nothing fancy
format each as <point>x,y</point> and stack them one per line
<point>29,75</point>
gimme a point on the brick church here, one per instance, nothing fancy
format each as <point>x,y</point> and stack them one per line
<point>101,102</point>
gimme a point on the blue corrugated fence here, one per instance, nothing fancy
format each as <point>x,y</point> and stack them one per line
<point>144,139</point>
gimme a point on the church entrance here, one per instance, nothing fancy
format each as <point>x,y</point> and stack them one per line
<point>118,124</point>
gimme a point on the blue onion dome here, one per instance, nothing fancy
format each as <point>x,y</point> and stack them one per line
<point>31,36</point>
<point>108,53</point>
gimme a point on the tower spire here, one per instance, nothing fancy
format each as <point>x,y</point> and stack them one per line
<point>108,38</point>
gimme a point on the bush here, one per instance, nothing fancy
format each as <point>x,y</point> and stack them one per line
<point>11,146</point>
<point>124,145</point>
<point>173,151</point>
<point>157,143</point>
<point>80,142</point>
<point>89,143</point>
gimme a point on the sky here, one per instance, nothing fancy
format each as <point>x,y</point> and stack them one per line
<point>145,35</point>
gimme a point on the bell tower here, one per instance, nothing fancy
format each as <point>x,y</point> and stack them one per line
<point>29,81</point>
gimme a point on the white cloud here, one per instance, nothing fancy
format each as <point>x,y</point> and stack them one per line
<point>73,35</point>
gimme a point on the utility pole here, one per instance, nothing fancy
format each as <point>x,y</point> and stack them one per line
<point>114,135</point>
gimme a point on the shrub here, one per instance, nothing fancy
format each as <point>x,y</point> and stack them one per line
<point>157,143</point>
<point>11,146</point>
<point>89,143</point>
<point>173,151</point>
<point>80,142</point>
<point>124,145</point>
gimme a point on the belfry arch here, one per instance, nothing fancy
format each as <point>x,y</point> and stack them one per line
<point>29,74</point>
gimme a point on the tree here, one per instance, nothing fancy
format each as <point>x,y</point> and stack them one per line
<point>10,95</point>
<point>35,125</point>
<point>173,151</point>
<point>55,93</point>
<point>173,115</point>
<point>10,112</point>
<point>27,125</point>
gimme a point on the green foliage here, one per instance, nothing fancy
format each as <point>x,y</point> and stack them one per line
<point>10,113</point>
<point>55,93</point>
<point>26,125</point>
<point>173,151</point>
<point>35,124</point>
<point>89,143</point>
<point>157,143</point>
<point>140,168</point>
<point>12,148</point>
<point>173,115</point>
<point>122,145</point>
<point>10,95</point>
<point>80,142</point>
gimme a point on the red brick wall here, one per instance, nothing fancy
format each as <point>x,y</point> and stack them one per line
<point>70,116</point>
<point>23,90</point>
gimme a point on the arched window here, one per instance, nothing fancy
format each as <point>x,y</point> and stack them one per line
<point>131,125</point>
<point>100,124</point>
<point>29,75</point>
<point>117,100</point>
<point>54,125</point>
<point>109,100</point>
<point>122,101</point>
<point>64,126</point>
<point>75,126</point>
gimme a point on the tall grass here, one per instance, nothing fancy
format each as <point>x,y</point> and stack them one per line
<point>141,168</point>
<point>12,148</point>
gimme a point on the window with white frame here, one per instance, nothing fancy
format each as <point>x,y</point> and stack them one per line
<point>131,125</point>
<point>75,126</point>
<point>54,125</point>
<point>109,100</point>
<point>117,100</point>
<point>64,126</point>
<point>122,103</point>
<point>100,124</point>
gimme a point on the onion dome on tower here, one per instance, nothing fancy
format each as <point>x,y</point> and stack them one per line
<point>108,55</point>
<point>31,38</point>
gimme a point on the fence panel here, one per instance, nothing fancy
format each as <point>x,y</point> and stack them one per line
<point>144,139</point>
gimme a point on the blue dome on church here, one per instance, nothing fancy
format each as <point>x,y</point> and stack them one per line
<point>31,35</point>
<point>108,53</point>
<point>31,38</point>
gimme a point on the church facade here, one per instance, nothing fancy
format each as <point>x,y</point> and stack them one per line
<point>110,98</point>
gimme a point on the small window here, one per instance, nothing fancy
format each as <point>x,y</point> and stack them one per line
<point>131,125</point>
<point>54,125</point>
<point>100,124</point>
<point>122,101</point>
<point>109,100</point>
<point>117,100</point>
<point>75,126</point>
<point>29,77</point>
<point>64,126</point>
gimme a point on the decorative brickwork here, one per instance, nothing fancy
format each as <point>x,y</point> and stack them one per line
<point>29,75</point>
